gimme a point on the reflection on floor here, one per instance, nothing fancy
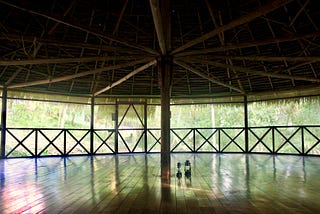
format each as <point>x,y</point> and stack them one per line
<point>219,183</point>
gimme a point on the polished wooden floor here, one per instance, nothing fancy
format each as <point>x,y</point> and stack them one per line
<point>220,183</point>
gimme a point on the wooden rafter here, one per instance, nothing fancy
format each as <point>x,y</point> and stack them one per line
<point>64,14</point>
<point>123,79</point>
<point>83,28</point>
<point>309,59</point>
<point>248,44</point>
<point>157,19</point>
<point>242,20</point>
<point>259,73</point>
<point>81,74</point>
<point>299,12</point>
<point>116,28</point>
<point>214,20</point>
<point>63,60</point>
<point>59,43</point>
<point>212,79</point>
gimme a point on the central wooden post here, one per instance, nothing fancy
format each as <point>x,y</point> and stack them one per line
<point>165,75</point>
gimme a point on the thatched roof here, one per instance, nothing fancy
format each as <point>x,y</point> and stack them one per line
<point>219,47</point>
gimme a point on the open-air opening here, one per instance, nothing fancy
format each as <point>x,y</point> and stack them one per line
<point>44,127</point>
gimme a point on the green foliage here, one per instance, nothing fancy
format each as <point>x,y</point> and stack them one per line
<point>284,113</point>
<point>36,114</point>
<point>294,112</point>
<point>206,116</point>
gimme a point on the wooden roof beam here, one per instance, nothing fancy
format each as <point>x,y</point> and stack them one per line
<point>212,79</point>
<point>64,15</point>
<point>157,19</point>
<point>81,74</point>
<point>298,13</point>
<point>242,20</point>
<point>309,59</point>
<point>259,73</point>
<point>63,60</point>
<point>31,39</point>
<point>83,28</point>
<point>249,44</point>
<point>123,79</point>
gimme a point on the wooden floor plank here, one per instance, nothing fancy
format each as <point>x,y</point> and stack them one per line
<point>220,183</point>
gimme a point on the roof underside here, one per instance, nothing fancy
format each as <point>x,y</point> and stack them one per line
<point>108,47</point>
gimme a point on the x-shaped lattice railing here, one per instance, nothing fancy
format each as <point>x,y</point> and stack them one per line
<point>287,140</point>
<point>104,141</point>
<point>157,140</point>
<point>232,140</point>
<point>50,142</point>
<point>260,139</point>
<point>206,139</point>
<point>181,140</point>
<point>314,145</point>
<point>78,142</point>
<point>20,143</point>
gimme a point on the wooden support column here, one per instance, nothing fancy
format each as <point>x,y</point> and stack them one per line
<point>3,123</point>
<point>116,128</point>
<point>246,124</point>
<point>165,75</point>
<point>145,111</point>
<point>92,126</point>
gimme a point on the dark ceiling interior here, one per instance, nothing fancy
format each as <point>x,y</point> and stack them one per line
<point>108,47</point>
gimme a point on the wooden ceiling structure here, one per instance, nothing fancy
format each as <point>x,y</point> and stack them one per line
<point>112,48</point>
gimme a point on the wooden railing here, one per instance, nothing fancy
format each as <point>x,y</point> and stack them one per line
<point>35,142</point>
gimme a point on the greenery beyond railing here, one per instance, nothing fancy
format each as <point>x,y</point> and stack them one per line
<point>36,142</point>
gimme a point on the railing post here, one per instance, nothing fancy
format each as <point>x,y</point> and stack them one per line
<point>64,142</point>
<point>302,139</point>
<point>273,143</point>
<point>194,139</point>
<point>145,127</point>
<point>116,131</point>
<point>36,142</point>
<point>219,140</point>
<point>246,124</point>
<point>3,123</point>
<point>92,126</point>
